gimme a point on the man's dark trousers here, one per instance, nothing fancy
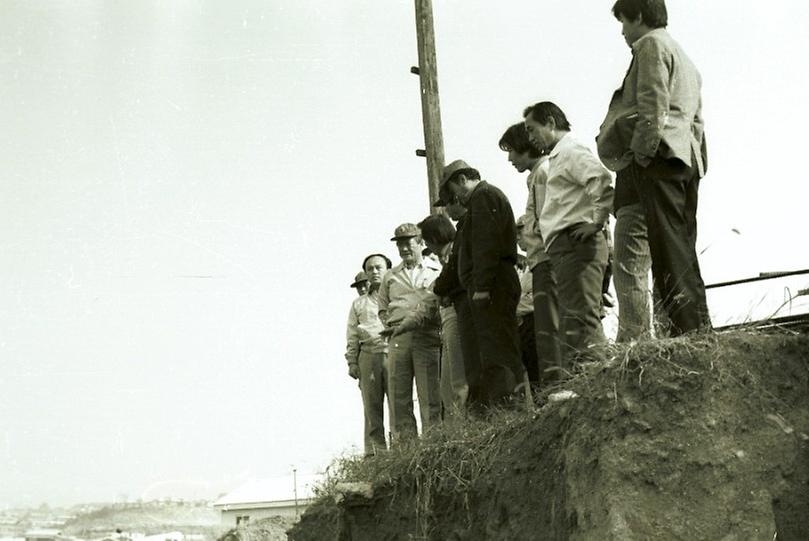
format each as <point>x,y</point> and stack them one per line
<point>668,190</point>
<point>546,321</point>
<point>528,347</point>
<point>578,266</point>
<point>490,341</point>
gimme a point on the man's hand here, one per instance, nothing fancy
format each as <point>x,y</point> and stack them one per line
<point>406,325</point>
<point>387,332</point>
<point>481,298</point>
<point>642,160</point>
<point>582,232</point>
<point>354,370</point>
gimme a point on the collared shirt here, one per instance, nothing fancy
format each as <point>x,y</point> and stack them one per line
<point>659,102</point>
<point>532,236</point>
<point>578,190</point>
<point>362,332</point>
<point>526,303</point>
<point>403,291</point>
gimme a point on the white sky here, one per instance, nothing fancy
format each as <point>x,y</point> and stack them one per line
<point>268,147</point>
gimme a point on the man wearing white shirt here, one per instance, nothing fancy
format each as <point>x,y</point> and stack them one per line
<point>578,201</point>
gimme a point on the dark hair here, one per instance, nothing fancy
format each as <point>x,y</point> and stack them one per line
<point>516,138</point>
<point>383,256</point>
<point>545,110</point>
<point>437,229</point>
<point>470,173</point>
<point>653,11</point>
<point>445,195</point>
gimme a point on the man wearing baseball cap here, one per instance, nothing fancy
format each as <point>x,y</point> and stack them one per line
<point>487,253</point>
<point>360,283</point>
<point>414,353</point>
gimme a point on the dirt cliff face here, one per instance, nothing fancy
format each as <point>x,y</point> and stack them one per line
<point>704,438</point>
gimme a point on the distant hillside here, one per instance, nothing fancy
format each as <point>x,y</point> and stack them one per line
<point>148,518</point>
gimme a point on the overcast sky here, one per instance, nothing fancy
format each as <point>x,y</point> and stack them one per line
<point>187,188</point>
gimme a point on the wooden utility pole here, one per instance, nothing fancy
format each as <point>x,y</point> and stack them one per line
<point>430,107</point>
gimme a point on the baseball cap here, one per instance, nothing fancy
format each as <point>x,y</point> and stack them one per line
<point>406,231</point>
<point>359,278</point>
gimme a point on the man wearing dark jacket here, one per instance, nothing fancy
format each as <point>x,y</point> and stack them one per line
<point>487,253</point>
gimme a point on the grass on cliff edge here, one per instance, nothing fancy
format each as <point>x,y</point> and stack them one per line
<point>450,457</point>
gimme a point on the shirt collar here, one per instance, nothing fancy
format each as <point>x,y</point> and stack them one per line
<point>565,141</point>
<point>426,263</point>
<point>650,34</point>
<point>465,199</point>
<point>542,159</point>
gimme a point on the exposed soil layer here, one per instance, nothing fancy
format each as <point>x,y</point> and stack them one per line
<point>268,529</point>
<point>703,438</point>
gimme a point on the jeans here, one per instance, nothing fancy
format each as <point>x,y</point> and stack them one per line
<point>454,389</point>
<point>631,273</point>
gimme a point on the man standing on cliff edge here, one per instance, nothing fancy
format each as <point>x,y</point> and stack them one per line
<point>653,138</point>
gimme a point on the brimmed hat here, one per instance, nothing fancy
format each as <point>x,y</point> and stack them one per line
<point>452,168</point>
<point>449,170</point>
<point>360,278</point>
<point>406,231</point>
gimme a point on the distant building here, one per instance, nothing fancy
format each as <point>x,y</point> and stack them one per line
<point>263,498</point>
<point>169,536</point>
<point>43,534</point>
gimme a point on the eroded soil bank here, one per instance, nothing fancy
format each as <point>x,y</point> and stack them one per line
<point>703,438</point>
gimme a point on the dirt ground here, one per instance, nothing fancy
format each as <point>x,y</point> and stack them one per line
<point>704,438</point>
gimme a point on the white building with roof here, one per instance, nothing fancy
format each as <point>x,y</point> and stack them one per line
<point>43,534</point>
<point>264,498</point>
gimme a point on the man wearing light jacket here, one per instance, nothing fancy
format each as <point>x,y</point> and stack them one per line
<point>653,137</point>
<point>366,352</point>
<point>414,354</point>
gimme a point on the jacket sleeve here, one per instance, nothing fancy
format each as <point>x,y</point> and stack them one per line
<point>653,97</point>
<point>352,337</point>
<point>384,298</point>
<point>447,283</point>
<point>533,237</point>
<point>530,205</point>
<point>483,227</point>
<point>699,125</point>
